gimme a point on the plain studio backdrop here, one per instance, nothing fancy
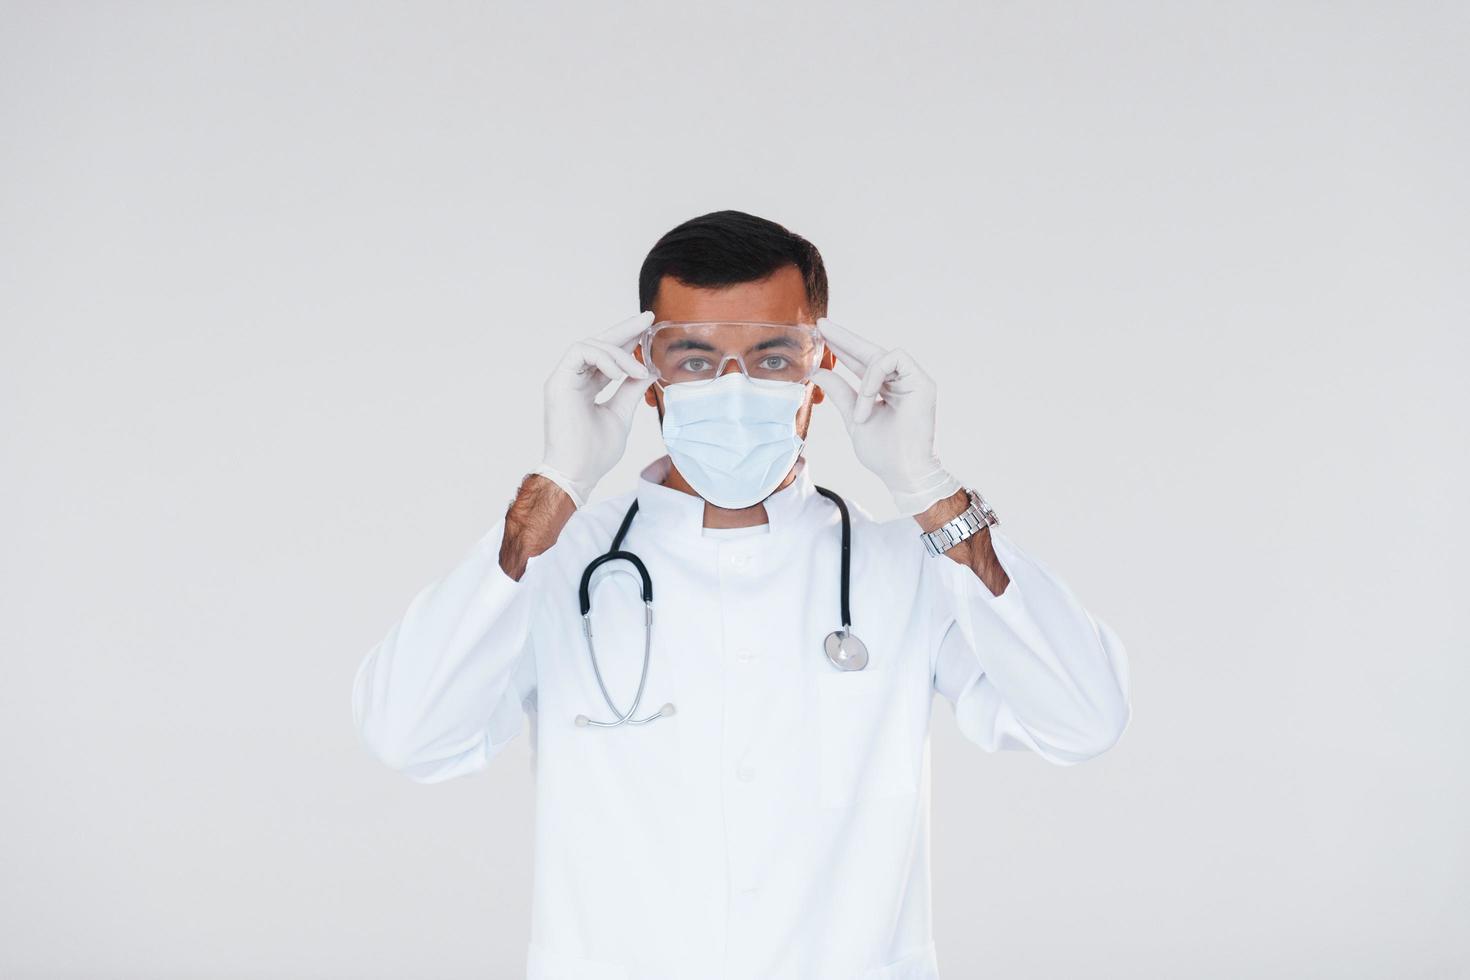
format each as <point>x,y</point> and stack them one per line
<point>279,287</point>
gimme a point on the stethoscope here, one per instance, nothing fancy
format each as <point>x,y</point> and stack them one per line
<point>842,647</point>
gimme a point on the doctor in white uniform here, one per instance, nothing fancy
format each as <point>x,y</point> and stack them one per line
<point>766,818</point>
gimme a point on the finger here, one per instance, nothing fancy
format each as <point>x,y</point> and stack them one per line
<point>909,376</point>
<point>630,364</point>
<point>838,392</point>
<point>624,401</point>
<point>894,375</point>
<point>851,349</point>
<point>903,374</point>
<point>873,379</point>
<point>625,333</point>
<point>586,364</point>
<point>907,380</point>
<point>586,355</point>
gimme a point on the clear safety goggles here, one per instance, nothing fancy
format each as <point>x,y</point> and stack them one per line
<point>683,352</point>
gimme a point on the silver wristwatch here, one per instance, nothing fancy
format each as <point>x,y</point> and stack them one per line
<point>968,524</point>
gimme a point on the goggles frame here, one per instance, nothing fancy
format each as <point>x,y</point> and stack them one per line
<point>646,344</point>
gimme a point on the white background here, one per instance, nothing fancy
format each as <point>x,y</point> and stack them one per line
<point>279,285</point>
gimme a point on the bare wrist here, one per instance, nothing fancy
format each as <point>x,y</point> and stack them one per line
<point>534,521</point>
<point>943,511</point>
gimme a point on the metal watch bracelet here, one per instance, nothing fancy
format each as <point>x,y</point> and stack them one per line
<point>968,524</point>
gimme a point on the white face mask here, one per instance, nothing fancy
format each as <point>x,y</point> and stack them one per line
<point>732,439</point>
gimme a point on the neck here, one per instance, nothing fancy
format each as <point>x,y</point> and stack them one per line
<point>724,517</point>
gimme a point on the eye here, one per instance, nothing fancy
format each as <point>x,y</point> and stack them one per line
<point>695,364</point>
<point>774,362</point>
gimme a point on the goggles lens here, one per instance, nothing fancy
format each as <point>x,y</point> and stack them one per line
<point>684,353</point>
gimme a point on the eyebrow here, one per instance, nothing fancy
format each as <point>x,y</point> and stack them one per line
<point>689,343</point>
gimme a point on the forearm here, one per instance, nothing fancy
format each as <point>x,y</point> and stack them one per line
<point>976,552</point>
<point>430,698</point>
<point>1046,674</point>
<point>533,523</point>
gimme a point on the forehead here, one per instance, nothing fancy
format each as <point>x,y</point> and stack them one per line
<point>778,298</point>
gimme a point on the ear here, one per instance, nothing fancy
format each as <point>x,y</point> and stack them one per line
<point>828,361</point>
<point>649,397</point>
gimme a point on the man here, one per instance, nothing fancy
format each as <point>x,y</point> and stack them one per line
<point>761,811</point>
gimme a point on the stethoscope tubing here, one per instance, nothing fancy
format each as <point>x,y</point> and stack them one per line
<point>846,552</point>
<point>615,553</point>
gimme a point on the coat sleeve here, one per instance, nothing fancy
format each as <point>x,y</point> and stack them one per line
<point>447,688</point>
<point>1030,668</point>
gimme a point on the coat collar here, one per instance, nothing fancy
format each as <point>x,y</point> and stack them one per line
<point>684,512</point>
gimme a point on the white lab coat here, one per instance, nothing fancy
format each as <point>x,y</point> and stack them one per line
<point>776,826</point>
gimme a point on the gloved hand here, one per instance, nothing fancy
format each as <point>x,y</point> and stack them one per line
<point>585,439</point>
<point>894,437</point>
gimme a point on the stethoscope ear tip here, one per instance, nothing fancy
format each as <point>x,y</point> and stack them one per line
<point>582,721</point>
<point>666,710</point>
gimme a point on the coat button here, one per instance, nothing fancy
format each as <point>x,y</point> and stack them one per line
<point>744,656</point>
<point>745,774</point>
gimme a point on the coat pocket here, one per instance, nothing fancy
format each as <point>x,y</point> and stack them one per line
<point>864,738</point>
<point>545,963</point>
<point>921,964</point>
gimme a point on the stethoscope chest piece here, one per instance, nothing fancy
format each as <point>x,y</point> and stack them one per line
<point>845,650</point>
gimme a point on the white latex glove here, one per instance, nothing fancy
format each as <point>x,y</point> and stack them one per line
<point>894,436</point>
<point>585,438</point>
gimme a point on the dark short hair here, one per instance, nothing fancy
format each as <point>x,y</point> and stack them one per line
<point>723,248</point>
